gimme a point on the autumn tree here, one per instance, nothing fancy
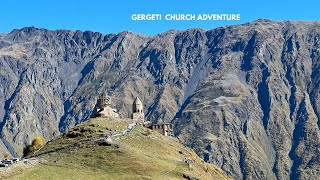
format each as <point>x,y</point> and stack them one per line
<point>6,155</point>
<point>37,143</point>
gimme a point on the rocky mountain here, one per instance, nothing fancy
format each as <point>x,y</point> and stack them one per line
<point>244,97</point>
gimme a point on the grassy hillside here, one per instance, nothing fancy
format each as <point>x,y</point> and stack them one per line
<point>85,151</point>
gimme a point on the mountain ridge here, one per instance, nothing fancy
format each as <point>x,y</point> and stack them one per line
<point>250,90</point>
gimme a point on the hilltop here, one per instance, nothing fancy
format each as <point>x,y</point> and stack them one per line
<point>106,149</point>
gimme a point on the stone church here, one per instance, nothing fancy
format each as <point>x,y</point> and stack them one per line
<point>103,109</point>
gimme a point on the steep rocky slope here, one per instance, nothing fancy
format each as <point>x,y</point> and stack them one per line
<point>244,97</point>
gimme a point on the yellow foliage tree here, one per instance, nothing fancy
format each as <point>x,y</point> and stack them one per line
<point>38,142</point>
<point>6,155</point>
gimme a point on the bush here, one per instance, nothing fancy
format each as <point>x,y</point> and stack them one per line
<point>149,131</point>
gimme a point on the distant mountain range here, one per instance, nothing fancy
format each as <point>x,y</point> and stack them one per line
<point>244,97</point>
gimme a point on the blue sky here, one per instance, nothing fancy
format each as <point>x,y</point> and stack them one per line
<point>115,16</point>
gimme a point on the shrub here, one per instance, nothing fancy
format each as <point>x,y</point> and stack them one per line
<point>149,131</point>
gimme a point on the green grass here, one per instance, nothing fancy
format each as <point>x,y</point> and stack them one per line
<point>141,154</point>
<point>60,172</point>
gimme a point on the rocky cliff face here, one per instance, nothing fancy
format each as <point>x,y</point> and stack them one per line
<point>244,97</point>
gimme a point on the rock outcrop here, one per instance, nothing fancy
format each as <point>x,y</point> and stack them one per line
<point>244,97</point>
